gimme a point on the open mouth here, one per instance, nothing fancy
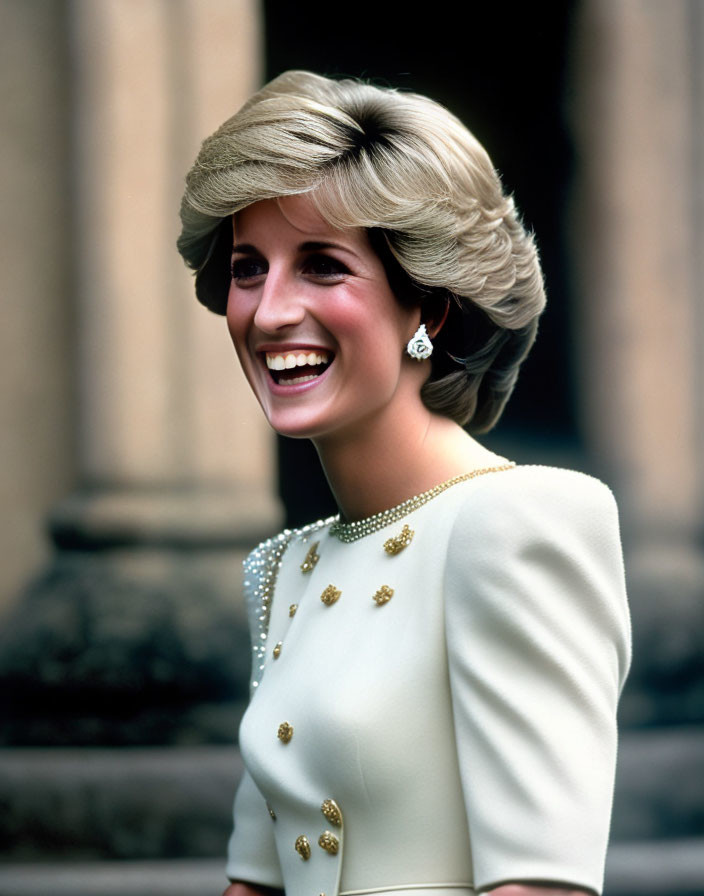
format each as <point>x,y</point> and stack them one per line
<point>296,367</point>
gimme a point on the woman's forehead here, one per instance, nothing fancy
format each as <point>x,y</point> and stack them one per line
<point>295,216</point>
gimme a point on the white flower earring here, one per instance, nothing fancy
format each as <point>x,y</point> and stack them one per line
<point>420,346</point>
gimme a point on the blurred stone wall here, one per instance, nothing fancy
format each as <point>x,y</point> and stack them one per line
<point>37,337</point>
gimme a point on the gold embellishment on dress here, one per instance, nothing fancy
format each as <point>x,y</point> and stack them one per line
<point>285,732</point>
<point>383,595</point>
<point>312,558</point>
<point>302,847</point>
<point>329,842</point>
<point>331,811</point>
<point>271,812</point>
<point>330,595</point>
<point>277,650</point>
<point>396,544</point>
<point>292,610</point>
<point>348,532</point>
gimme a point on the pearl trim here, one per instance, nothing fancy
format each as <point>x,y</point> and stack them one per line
<point>261,569</point>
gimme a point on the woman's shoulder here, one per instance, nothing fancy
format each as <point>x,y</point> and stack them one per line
<point>531,513</point>
<point>526,480</point>
<point>537,545</point>
<point>528,493</point>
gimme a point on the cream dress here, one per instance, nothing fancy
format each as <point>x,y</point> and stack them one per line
<point>433,707</point>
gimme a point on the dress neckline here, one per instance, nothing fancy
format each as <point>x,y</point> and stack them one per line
<point>352,531</point>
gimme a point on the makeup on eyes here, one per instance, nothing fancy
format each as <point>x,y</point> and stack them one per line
<point>248,264</point>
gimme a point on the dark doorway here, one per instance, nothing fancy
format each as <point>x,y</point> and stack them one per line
<point>501,68</point>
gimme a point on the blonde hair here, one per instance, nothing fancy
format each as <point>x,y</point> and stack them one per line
<point>405,168</point>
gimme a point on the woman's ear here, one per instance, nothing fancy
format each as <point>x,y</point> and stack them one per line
<point>435,315</point>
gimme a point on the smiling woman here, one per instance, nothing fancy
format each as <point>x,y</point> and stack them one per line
<point>406,170</point>
<point>436,669</point>
<point>302,289</point>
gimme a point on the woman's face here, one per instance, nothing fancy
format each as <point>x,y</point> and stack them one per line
<point>318,332</point>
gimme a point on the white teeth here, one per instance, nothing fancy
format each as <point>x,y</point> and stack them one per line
<point>293,359</point>
<point>294,380</point>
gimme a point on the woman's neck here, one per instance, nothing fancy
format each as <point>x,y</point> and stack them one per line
<point>374,468</point>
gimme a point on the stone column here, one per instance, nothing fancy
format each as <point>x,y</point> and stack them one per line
<point>163,400</point>
<point>638,249</point>
<point>169,435</point>
<point>36,340</point>
<point>639,128</point>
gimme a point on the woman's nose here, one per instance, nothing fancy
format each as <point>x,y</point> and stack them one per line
<point>280,303</point>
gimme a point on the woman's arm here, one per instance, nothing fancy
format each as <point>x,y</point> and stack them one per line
<point>538,646</point>
<point>524,890</point>
<point>240,888</point>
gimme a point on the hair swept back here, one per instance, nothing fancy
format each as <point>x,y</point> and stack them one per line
<point>405,168</point>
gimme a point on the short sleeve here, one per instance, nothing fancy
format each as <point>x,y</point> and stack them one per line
<point>538,643</point>
<point>251,853</point>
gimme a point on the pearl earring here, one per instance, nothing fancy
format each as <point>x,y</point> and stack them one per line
<point>420,346</point>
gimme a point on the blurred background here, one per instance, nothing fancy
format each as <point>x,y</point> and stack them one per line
<point>136,471</point>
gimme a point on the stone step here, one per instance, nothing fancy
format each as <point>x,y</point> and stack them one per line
<point>201,877</point>
<point>127,803</point>
<point>656,868</point>
<point>669,868</point>
<point>660,785</point>
<point>158,803</point>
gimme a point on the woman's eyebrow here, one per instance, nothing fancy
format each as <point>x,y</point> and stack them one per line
<point>245,249</point>
<point>309,246</point>
<point>316,246</point>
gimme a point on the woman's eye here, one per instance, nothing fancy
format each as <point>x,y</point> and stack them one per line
<point>325,267</point>
<point>243,269</point>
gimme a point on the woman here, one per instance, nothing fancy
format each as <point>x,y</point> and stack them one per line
<point>436,670</point>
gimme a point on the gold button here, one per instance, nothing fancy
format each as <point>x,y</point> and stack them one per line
<point>329,842</point>
<point>292,609</point>
<point>285,732</point>
<point>312,558</point>
<point>330,595</point>
<point>331,811</point>
<point>271,812</point>
<point>399,542</point>
<point>383,595</point>
<point>277,650</point>
<point>303,847</point>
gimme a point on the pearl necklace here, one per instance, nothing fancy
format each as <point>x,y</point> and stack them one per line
<point>348,532</point>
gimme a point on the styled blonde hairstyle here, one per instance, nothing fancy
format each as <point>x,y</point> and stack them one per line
<point>406,169</point>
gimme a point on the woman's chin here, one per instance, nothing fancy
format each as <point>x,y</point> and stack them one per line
<point>295,425</point>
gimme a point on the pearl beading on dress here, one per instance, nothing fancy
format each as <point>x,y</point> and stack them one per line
<point>261,569</point>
